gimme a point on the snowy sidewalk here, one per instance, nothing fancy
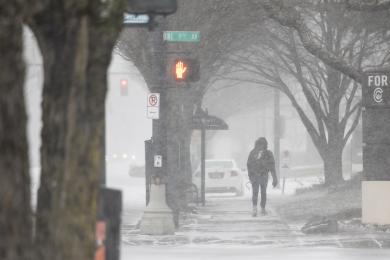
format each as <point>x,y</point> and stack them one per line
<point>228,221</point>
<point>221,221</point>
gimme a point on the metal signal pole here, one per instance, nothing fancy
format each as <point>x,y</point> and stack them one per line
<point>277,133</point>
<point>158,218</point>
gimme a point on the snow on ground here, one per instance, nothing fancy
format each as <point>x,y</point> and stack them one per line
<point>133,189</point>
<point>230,252</point>
<point>228,221</point>
<point>224,229</point>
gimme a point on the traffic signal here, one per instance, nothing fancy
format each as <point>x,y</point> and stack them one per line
<point>185,70</point>
<point>159,7</point>
<point>124,87</point>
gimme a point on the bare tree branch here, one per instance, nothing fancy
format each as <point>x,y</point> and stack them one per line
<point>368,6</point>
<point>290,17</point>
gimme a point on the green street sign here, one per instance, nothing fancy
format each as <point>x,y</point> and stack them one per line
<point>181,36</point>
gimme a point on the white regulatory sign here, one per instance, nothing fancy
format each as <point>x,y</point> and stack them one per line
<point>153,106</point>
<point>133,19</point>
<point>158,161</point>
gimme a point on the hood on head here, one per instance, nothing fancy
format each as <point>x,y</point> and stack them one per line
<point>261,143</point>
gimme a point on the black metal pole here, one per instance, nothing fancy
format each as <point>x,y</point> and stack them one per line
<point>159,138</point>
<point>277,132</point>
<point>203,164</point>
<point>157,144</point>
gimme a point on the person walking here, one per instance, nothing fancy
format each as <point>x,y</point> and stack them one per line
<point>260,162</point>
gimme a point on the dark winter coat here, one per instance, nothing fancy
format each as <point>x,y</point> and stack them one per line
<point>261,163</point>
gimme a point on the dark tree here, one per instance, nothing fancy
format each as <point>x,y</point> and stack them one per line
<point>76,39</point>
<point>15,212</point>
<point>331,109</point>
<point>287,14</point>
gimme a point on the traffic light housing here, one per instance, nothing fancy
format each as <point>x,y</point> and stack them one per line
<point>124,87</point>
<point>152,7</point>
<point>185,70</point>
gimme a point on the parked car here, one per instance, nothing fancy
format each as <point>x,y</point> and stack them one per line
<point>137,171</point>
<point>221,176</point>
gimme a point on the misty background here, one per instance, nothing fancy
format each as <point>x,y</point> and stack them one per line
<point>247,108</point>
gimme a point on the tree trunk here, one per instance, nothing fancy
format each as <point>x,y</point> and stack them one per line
<point>333,155</point>
<point>333,166</point>
<point>59,53</point>
<point>57,58</point>
<point>186,157</point>
<point>76,46</point>
<point>181,103</point>
<point>185,162</point>
<point>15,211</point>
<point>176,177</point>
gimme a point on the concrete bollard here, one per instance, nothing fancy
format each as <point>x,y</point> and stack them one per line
<point>157,218</point>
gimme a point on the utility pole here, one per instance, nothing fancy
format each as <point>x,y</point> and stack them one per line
<point>277,132</point>
<point>203,164</point>
<point>158,218</point>
<point>203,121</point>
<point>159,71</point>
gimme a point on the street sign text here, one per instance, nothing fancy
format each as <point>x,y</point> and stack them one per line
<point>376,90</point>
<point>181,36</point>
<point>132,19</point>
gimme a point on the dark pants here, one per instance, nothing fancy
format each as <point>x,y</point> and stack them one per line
<point>259,182</point>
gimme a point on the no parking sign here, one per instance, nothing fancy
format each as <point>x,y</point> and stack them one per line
<point>153,106</point>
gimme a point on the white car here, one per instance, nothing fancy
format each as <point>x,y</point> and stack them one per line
<point>221,176</point>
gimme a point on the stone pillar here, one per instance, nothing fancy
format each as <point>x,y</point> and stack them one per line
<point>157,218</point>
<point>375,204</point>
<point>376,148</point>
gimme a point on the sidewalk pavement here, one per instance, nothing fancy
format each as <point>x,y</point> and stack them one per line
<point>228,221</point>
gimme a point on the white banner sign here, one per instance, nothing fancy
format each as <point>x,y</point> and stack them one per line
<point>158,161</point>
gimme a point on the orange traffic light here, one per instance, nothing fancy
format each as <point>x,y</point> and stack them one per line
<point>185,69</point>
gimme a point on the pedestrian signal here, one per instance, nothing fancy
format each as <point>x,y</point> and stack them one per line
<point>181,70</point>
<point>186,69</point>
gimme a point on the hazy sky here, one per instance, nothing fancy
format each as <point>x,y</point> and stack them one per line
<point>127,125</point>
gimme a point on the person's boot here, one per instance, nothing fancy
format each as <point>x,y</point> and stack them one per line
<point>254,211</point>
<point>263,211</point>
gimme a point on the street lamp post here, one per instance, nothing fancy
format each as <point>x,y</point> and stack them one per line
<point>203,121</point>
<point>203,161</point>
<point>277,133</point>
